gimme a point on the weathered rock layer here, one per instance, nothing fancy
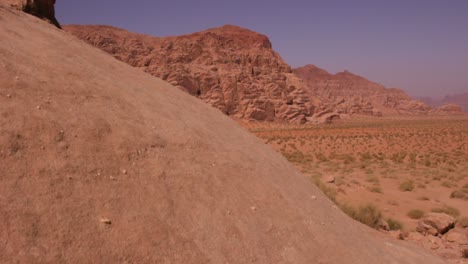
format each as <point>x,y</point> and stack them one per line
<point>41,8</point>
<point>351,94</point>
<point>231,68</point>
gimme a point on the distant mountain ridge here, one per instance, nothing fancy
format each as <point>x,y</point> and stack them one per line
<point>237,71</point>
<point>458,99</point>
<point>352,94</point>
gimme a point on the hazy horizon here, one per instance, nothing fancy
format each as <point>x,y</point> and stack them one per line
<point>422,49</point>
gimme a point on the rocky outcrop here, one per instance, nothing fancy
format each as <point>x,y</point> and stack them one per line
<point>448,109</point>
<point>456,99</point>
<point>231,68</point>
<point>41,8</point>
<point>452,246</point>
<point>435,224</point>
<point>352,94</point>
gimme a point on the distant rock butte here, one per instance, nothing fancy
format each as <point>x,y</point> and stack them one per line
<point>232,68</point>
<point>451,109</point>
<point>460,100</point>
<point>347,93</point>
<point>41,8</point>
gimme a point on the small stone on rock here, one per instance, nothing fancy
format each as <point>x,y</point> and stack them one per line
<point>329,179</point>
<point>106,221</point>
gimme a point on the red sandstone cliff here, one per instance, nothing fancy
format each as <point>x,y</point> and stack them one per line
<point>352,94</point>
<point>232,68</point>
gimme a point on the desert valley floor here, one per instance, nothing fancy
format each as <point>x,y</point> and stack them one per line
<point>403,167</point>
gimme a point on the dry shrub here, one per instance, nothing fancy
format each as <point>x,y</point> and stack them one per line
<point>368,214</point>
<point>394,224</point>
<point>415,214</point>
<point>459,195</point>
<point>447,210</point>
<point>375,189</point>
<point>407,186</point>
<point>328,191</point>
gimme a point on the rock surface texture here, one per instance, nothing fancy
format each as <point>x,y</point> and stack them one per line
<point>41,8</point>
<point>231,68</point>
<point>347,93</point>
<point>102,163</point>
<point>435,224</point>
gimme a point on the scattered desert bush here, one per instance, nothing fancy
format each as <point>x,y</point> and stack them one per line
<point>423,198</point>
<point>368,214</point>
<point>394,224</point>
<point>447,210</point>
<point>330,192</point>
<point>373,179</point>
<point>447,184</point>
<point>407,186</point>
<point>458,194</point>
<point>463,222</point>
<point>375,189</point>
<point>415,214</point>
<point>348,159</point>
<point>297,157</point>
<point>398,157</point>
<point>421,186</point>
<point>427,163</point>
<point>321,157</point>
<point>366,156</point>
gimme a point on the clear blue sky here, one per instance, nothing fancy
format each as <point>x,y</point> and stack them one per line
<point>418,45</point>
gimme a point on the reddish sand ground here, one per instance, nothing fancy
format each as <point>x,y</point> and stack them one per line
<point>397,164</point>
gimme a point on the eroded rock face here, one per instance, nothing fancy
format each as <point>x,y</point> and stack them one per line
<point>435,224</point>
<point>41,8</point>
<point>351,94</point>
<point>231,68</point>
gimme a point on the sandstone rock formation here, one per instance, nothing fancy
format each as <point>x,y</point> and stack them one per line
<point>347,93</point>
<point>460,100</point>
<point>41,8</point>
<point>102,163</point>
<point>436,223</point>
<point>448,109</point>
<point>231,68</point>
<point>451,246</point>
